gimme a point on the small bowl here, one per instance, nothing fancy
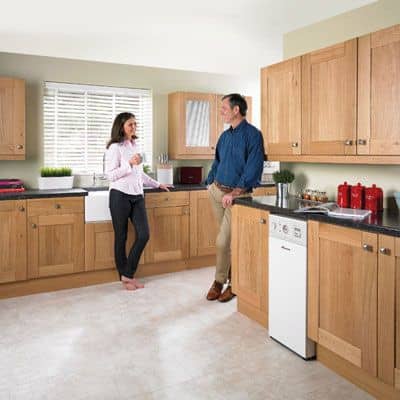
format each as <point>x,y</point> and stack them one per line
<point>397,198</point>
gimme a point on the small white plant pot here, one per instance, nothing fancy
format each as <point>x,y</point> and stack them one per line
<point>55,182</point>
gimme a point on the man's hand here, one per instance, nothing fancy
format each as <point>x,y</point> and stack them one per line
<point>227,200</point>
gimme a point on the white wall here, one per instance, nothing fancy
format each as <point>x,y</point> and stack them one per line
<point>36,69</point>
<point>370,18</point>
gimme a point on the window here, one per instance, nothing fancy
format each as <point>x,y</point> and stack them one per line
<point>77,122</point>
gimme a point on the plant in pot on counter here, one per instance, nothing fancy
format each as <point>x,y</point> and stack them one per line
<point>55,178</point>
<point>282,180</point>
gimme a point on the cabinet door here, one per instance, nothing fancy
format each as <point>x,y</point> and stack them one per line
<point>55,244</point>
<point>264,191</point>
<point>12,119</point>
<point>99,245</point>
<point>281,107</point>
<point>343,289</point>
<point>169,234</point>
<point>379,93</point>
<point>329,90</point>
<point>250,258</point>
<point>12,240</point>
<point>191,125</point>
<point>203,224</point>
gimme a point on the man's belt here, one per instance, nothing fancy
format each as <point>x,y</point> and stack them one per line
<point>223,188</point>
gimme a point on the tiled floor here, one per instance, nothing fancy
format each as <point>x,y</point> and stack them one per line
<point>162,342</point>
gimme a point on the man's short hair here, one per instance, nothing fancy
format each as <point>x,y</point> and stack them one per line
<point>236,99</point>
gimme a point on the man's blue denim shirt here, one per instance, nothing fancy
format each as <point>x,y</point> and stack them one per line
<point>239,158</point>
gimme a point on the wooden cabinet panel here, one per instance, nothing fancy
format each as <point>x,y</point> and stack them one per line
<point>13,240</point>
<point>347,272</point>
<point>329,89</point>
<point>250,258</point>
<point>99,245</point>
<point>191,125</point>
<point>203,224</point>
<point>169,234</point>
<point>12,119</point>
<point>379,93</point>
<point>56,236</point>
<point>167,199</point>
<point>386,309</point>
<point>281,107</point>
<point>264,191</point>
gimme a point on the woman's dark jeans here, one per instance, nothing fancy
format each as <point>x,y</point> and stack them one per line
<point>124,207</point>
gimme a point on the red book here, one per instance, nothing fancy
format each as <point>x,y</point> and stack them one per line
<point>12,190</point>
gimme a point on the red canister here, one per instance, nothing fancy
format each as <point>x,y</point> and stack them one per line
<point>374,198</point>
<point>357,196</point>
<point>343,195</point>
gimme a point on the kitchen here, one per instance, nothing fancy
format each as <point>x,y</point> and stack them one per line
<point>321,174</point>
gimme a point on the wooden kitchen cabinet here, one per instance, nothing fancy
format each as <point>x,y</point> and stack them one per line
<point>99,245</point>
<point>203,224</point>
<point>352,298</point>
<point>281,107</point>
<point>56,236</point>
<point>12,119</point>
<point>192,130</point>
<point>329,100</point>
<point>250,261</point>
<point>379,93</point>
<point>264,191</point>
<point>168,215</point>
<point>13,241</point>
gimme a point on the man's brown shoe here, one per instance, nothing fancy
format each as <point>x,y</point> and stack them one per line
<point>227,295</point>
<point>215,291</point>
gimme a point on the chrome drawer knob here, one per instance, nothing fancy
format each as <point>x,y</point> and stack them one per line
<point>348,142</point>
<point>361,142</point>
<point>367,247</point>
<point>295,144</point>
<point>34,226</point>
<point>384,250</point>
<point>58,206</point>
<point>21,208</point>
<point>263,221</point>
<point>20,146</point>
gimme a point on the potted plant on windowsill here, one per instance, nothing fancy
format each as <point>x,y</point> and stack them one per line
<point>55,178</point>
<point>282,180</point>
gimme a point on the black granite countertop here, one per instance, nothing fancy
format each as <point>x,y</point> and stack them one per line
<point>37,194</point>
<point>386,222</point>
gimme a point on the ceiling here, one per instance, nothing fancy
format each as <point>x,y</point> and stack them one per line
<point>220,36</point>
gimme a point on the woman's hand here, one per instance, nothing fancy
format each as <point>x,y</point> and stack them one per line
<point>165,187</point>
<point>136,159</point>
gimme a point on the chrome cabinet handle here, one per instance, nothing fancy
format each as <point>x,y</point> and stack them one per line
<point>348,142</point>
<point>263,221</point>
<point>361,142</point>
<point>367,247</point>
<point>384,250</point>
<point>58,206</point>
<point>20,146</point>
<point>295,144</point>
<point>34,226</point>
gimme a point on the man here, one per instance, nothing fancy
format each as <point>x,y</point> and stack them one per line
<point>236,170</point>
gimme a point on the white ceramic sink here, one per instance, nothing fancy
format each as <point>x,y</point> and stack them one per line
<point>96,206</point>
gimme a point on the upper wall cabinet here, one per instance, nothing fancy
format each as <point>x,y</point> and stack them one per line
<point>281,107</point>
<point>12,119</point>
<point>194,124</point>
<point>379,93</point>
<point>192,119</point>
<point>329,95</point>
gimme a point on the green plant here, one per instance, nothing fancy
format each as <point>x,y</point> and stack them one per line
<point>47,172</point>
<point>284,176</point>
<point>146,168</point>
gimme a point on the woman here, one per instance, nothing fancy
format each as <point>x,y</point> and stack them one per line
<point>126,176</point>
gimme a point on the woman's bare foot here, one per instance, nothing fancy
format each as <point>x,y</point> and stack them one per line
<point>138,284</point>
<point>126,279</point>
<point>129,285</point>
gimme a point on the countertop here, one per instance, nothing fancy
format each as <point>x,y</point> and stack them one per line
<point>386,222</point>
<point>75,192</point>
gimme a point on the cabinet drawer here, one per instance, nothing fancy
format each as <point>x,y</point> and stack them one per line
<point>167,199</point>
<point>55,206</point>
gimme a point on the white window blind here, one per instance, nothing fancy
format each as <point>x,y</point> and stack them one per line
<point>77,121</point>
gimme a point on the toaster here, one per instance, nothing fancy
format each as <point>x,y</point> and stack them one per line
<point>188,175</point>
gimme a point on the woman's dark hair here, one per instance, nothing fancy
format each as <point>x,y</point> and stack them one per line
<point>117,130</point>
<point>235,99</point>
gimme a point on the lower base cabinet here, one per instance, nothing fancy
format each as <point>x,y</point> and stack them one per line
<point>250,261</point>
<point>354,295</point>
